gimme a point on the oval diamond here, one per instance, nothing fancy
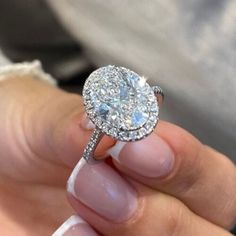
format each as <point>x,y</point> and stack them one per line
<point>119,101</point>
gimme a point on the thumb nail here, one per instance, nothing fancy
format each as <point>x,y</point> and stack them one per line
<point>86,123</point>
<point>75,226</point>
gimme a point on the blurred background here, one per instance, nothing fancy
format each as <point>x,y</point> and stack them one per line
<point>186,47</point>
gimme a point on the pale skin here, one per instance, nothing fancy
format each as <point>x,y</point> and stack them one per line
<point>41,140</point>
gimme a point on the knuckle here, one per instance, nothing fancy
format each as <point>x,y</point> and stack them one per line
<point>188,173</point>
<point>224,205</point>
<point>174,218</point>
<point>229,213</point>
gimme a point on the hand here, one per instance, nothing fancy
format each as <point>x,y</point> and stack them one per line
<point>40,143</point>
<point>42,138</point>
<point>169,184</point>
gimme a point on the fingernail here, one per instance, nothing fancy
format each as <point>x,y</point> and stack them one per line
<point>151,157</point>
<point>75,226</point>
<point>86,123</point>
<point>103,190</point>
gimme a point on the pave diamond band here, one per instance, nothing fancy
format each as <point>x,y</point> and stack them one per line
<point>91,146</point>
<point>121,104</point>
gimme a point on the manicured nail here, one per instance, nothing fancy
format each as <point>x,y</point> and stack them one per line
<point>75,226</point>
<point>86,123</point>
<point>151,157</point>
<point>103,190</point>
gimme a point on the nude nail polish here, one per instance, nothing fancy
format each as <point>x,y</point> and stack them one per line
<point>75,226</point>
<point>103,190</point>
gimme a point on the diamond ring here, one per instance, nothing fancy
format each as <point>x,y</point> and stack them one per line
<point>120,104</point>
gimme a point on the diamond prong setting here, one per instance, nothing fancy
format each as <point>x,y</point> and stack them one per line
<point>120,103</point>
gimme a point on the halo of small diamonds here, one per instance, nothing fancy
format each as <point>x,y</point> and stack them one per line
<point>120,103</point>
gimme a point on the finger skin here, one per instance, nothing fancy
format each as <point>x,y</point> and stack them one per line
<point>53,128</point>
<point>202,178</point>
<point>51,134</point>
<point>41,129</point>
<point>158,214</point>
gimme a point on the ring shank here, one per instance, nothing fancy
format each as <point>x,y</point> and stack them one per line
<point>159,94</point>
<point>88,154</point>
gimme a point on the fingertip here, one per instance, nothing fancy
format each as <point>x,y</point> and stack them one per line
<point>75,225</point>
<point>72,178</point>
<point>115,150</point>
<point>180,140</point>
<point>86,123</point>
<point>150,157</point>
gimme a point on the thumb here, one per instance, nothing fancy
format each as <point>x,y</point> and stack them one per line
<point>59,129</point>
<point>41,136</point>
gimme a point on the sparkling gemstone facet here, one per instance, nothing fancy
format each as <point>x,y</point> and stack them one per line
<point>121,100</point>
<point>139,118</point>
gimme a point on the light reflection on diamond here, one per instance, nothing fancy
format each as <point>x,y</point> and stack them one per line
<point>133,80</point>
<point>139,118</point>
<point>124,93</point>
<point>122,101</point>
<point>103,110</point>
